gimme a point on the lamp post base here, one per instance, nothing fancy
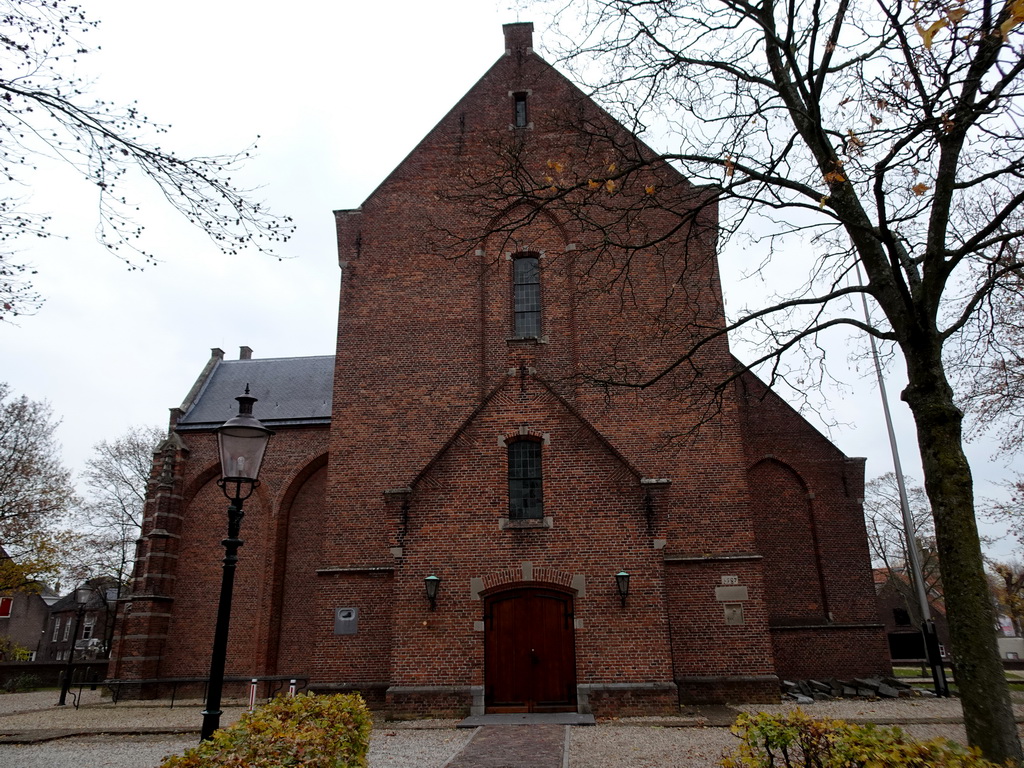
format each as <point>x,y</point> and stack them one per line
<point>211,722</point>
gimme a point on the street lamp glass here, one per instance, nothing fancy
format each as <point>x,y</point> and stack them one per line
<point>622,582</point>
<point>242,441</point>
<point>432,582</point>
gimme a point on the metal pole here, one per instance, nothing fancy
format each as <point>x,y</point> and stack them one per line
<point>69,669</point>
<point>212,713</point>
<point>931,643</point>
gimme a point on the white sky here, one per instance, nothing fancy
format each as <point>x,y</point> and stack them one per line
<point>340,93</point>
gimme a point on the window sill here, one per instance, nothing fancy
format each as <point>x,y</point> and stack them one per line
<point>527,340</point>
<point>505,524</point>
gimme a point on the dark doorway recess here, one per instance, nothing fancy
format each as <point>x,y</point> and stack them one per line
<point>529,651</point>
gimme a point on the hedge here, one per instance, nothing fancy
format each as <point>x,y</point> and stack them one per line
<point>307,730</point>
<point>795,740</point>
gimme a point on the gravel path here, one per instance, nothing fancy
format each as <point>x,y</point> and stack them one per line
<point>399,749</point>
<point>124,751</point>
<point>625,743</point>
<point>606,746</point>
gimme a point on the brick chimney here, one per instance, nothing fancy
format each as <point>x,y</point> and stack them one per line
<point>518,37</point>
<point>245,353</point>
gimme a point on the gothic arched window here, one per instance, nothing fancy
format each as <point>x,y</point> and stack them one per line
<point>526,295</point>
<point>525,481</point>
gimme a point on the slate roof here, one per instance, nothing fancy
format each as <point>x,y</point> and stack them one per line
<point>290,391</point>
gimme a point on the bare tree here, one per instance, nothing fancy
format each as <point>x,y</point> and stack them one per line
<point>1008,590</point>
<point>1009,510</point>
<point>46,113</point>
<point>995,391</point>
<point>883,519</point>
<point>109,519</point>
<point>35,492</point>
<point>882,137</point>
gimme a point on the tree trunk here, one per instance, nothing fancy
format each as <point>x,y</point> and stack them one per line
<point>984,693</point>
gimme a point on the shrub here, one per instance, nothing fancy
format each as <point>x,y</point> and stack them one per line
<point>313,731</point>
<point>11,651</point>
<point>795,740</point>
<point>23,682</point>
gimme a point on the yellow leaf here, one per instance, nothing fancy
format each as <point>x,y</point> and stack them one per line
<point>593,184</point>
<point>611,168</point>
<point>1015,18</point>
<point>649,190</point>
<point>929,33</point>
<point>833,177</point>
<point>854,139</point>
<point>821,203</point>
<point>920,188</point>
<point>610,186</point>
<point>730,168</point>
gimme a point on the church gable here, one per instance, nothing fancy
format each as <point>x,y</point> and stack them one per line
<point>525,432</point>
<point>499,527</point>
<point>519,386</point>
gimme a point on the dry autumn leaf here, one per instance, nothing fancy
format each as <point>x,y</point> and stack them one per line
<point>1015,18</point>
<point>927,34</point>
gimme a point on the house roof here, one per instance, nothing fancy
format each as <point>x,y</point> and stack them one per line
<point>99,586</point>
<point>290,391</point>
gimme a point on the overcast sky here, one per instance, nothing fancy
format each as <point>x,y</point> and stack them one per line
<point>339,93</point>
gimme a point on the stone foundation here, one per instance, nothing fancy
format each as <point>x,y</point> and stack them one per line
<point>627,699</point>
<point>748,689</point>
<point>374,694</point>
<point>409,702</point>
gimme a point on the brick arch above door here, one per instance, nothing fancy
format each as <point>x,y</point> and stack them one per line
<point>526,574</point>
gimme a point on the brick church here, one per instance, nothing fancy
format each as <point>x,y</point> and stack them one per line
<point>594,547</point>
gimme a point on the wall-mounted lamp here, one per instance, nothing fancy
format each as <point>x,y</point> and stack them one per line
<point>432,583</point>
<point>622,583</point>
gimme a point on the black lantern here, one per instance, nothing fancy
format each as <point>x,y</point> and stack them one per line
<point>432,583</point>
<point>242,441</point>
<point>622,583</point>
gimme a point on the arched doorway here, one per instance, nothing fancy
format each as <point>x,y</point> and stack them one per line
<point>529,651</point>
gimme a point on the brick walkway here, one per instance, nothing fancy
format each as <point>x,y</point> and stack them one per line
<point>513,746</point>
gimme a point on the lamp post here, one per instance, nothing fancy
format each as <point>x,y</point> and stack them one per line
<point>242,441</point>
<point>82,595</point>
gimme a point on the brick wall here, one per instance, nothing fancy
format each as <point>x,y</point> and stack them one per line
<point>167,629</point>
<point>810,529</point>
<point>689,488</point>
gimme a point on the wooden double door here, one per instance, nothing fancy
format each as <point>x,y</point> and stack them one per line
<point>529,651</point>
